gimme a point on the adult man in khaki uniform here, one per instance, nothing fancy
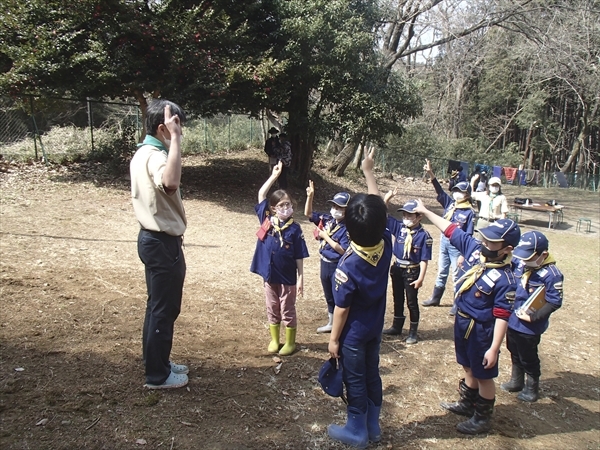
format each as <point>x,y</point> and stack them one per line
<point>155,178</point>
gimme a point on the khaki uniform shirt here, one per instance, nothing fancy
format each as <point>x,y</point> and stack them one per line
<point>154,209</point>
<point>492,208</point>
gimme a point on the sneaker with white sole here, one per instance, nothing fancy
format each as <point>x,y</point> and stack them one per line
<point>179,369</point>
<point>174,381</point>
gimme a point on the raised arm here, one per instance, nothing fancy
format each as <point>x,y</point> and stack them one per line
<point>310,193</point>
<point>263,191</point>
<point>367,167</point>
<point>438,221</point>
<point>171,177</point>
<point>389,195</point>
<point>427,168</point>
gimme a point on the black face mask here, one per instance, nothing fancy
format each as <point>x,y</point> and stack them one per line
<point>489,253</point>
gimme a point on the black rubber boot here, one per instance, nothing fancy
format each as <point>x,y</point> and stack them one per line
<point>435,298</point>
<point>465,406</point>
<point>517,380</point>
<point>412,333</point>
<point>396,328</point>
<point>481,421</point>
<point>531,391</point>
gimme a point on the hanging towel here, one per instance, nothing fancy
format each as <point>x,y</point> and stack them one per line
<point>510,173</point>
<point>497,170</point>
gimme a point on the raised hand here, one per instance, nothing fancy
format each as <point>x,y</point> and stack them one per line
<point>172,122</point>
<point>277,169</point>
<point>310,190</point>
<point>369,162</point>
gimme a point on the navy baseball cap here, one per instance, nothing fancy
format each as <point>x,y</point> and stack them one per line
<point>505,230</point>
<point>531,243</point>
<point>463,186</point>
<point>409,207</point>
<point>330,377</point>
<point>341,199</point>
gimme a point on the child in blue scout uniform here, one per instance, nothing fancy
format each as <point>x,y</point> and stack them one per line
<point>412,252</point>
<point>333,242</point>
<point>458,210</point>
<point>278,257</point>
<point>536,267</point>
<point>360,295</point>
<point>484,300</point>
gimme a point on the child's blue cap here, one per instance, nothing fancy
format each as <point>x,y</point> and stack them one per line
<point>330,377</point>
<point>505,230</point>
<point>341,199</point>
<point>463,186</point>
<point>531,243</point>
<point>409,207</point>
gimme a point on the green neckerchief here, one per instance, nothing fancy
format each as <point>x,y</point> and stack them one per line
<point>151,140</point>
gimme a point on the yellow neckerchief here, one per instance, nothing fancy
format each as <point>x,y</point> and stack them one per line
<point>473,274</point>
<point>372,255</point>
<point>408,242</point>
<point>463,204</point>
<point>275,221</point>
<point>529,270</point>
<point>329,232</point>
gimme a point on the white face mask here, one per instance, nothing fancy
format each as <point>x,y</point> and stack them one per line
<point>409,223</point>
<point>284,213</point>
<point>494,189</point>
<point>168,143</point>
<point>531,263</point>
<point>336,214</point>
<point>458,196</point>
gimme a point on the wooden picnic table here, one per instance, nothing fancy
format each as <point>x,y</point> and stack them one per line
<point>552,211</point>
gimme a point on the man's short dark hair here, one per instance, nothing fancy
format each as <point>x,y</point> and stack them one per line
<point>366,218</point>
<point>155,114</point>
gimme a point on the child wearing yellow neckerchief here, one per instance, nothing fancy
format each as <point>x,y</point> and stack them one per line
<point>458,210</point>
<point>412,252</point>
<point>278,259</point>
<point>484,300</point>
<point>536,268</point>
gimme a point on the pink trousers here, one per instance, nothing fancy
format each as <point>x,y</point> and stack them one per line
<point>281,304</point>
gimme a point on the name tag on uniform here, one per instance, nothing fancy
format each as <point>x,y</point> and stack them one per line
<point>494,274</point>
<point>543,272</point>
<point>487,281</point>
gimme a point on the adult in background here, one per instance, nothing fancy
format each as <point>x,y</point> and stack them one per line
<point>272,147</point>
<point>284,154</point>
<point>155,178</point>
<point>493,202</point>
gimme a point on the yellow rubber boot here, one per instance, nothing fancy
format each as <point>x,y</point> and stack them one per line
<point>274,344</point>
<point>290,342</point>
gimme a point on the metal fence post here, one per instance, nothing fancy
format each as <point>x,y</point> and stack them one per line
<point>34,126</point>
<point>90,120</point>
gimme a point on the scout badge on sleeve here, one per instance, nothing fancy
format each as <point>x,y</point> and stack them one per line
<point>330,378</point>
<point>264,229</point>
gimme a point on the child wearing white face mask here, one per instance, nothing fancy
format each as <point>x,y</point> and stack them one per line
<point>412,253</point>
<point>493,202</point>
<point>334,240</point>
<point>278,258</point>
<point>458,210</point>
<point>535,267</point>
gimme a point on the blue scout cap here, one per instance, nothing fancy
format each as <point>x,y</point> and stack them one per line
<point>462,186</point>
<point>341,199</point>
<point>505,230</point>
<point>531,243</point>
<point>409,207</point>
<point>330,378</point>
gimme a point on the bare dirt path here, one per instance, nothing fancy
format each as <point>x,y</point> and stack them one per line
<point>72,295</point>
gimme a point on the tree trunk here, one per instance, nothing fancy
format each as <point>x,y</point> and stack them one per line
<point>139,96</point>
<point>581,138</point>
<point>343,159</point>
<point>358,156</point>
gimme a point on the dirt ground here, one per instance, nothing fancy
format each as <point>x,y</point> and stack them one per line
<point>73,298</point>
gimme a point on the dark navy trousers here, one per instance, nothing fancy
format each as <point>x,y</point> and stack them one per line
<point>162,255</point>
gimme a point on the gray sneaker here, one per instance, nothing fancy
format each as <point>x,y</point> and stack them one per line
<point>174,381</point>
<point>179,369</point>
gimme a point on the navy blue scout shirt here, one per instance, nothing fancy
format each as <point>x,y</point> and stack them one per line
<point>464,218</point>
<point>275,258</point>
<point>493,294</point>
<point>421,241</point>
<point>548,276</point>
<point>337,232</point>
<point>362,287</point>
